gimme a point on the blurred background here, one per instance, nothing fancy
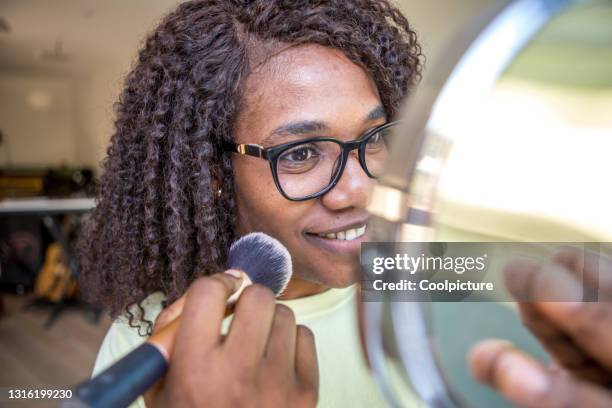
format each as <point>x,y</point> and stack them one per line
<point>62,65</point>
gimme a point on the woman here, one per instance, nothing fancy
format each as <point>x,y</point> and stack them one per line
<point>214,77</point>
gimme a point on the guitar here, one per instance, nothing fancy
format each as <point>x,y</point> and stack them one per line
<point>54,281</point>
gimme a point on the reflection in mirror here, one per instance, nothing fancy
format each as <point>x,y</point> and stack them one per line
<point>529,163</point>
<point>532,167</point>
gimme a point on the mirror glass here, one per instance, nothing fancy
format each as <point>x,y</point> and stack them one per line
<point>518,158</point>
<point>531,165</point>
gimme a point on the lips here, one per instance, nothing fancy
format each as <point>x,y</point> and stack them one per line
<point>343,240</point>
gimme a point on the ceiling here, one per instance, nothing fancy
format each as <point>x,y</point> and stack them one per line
<point>79,37</point>
<point>92,34</point>
<point>89,33</point>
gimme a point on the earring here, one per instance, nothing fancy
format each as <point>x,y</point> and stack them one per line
<point>219,193</point>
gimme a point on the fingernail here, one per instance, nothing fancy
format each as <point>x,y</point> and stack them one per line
<point>569,306</point>
<point>528,381</point>
<point>235,273</point>
<point>244,282</point>
<point>488,348</point>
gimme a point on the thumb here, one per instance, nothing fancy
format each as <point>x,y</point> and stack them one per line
<point>527,383</point>
<point>168,314</point>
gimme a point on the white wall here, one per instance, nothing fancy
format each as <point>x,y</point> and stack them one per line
<point>95,97</point>
<point>73,129</point>
<point>37,121</point>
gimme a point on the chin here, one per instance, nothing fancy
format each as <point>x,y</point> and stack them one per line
<point>340,279</point>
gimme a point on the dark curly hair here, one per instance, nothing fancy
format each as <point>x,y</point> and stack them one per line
<point>160,222</point>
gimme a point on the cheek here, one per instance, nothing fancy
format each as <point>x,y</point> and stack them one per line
<point>260,206</point>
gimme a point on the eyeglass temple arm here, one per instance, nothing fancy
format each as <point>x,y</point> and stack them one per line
<point>247,149</point>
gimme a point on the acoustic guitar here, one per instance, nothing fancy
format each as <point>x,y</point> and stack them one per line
<point>54,281</point>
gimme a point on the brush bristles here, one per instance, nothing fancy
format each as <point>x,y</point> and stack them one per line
<point>264,259</point>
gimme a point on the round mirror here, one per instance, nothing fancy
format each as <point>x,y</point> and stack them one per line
<point>507,141</point>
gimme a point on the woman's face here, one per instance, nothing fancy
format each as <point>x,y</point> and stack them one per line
<point>307,91</point>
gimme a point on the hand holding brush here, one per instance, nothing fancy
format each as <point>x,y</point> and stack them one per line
<point>264,357</point>
<point>264,360</point>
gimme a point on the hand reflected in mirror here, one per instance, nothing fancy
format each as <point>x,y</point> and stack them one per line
<point>577,334</point>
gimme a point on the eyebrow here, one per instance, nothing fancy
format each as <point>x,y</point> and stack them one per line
<point>299,128</point>
<point>306,127</point>
<point>376,113</point>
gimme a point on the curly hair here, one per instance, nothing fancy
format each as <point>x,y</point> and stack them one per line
<point>160,221</point>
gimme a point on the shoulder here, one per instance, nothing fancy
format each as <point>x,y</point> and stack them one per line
<point>121,338</point>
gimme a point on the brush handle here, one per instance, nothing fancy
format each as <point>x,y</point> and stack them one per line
<point>119,385</point>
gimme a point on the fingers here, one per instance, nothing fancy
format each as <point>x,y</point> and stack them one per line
<point>281,344</point>
<point>534,321</point>
<point>168,314</point>
<point>593,268</point>
<point>306,364</point>
<point>282,337</point>
<point>525,382</point>
<point>555,341</point>
<point>589,324</point>
<point>530,281</point>
<point>203,312</point>
<point>250,328</point>
<point>566,353</point>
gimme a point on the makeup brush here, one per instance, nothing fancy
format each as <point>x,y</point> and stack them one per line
<point>264,260</point>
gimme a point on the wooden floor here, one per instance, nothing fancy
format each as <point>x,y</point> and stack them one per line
<point>33,356</point>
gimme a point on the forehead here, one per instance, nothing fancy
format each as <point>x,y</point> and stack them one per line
<point>306,82</point>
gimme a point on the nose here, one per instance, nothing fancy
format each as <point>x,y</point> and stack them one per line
<point>352,190</point>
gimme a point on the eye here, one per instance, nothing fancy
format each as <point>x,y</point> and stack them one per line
<point>299,159</point>
<point>376,141</point>
<point>299,154</point>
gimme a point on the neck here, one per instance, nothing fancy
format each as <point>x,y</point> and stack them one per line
<point>298,288</point>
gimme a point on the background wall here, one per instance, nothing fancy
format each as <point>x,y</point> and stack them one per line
<point>37,118</point>
<point>78,51</point>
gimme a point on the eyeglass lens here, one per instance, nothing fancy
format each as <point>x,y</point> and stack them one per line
<point>309,168</point>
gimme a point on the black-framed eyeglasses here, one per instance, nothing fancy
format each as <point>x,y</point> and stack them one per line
<point>309,168</point>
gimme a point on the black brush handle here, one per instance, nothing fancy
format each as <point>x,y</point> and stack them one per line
<point>120,384</point>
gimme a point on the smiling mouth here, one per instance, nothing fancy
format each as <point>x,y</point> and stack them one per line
<point>346,235</point>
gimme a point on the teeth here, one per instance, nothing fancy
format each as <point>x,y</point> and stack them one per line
<point>351,234</point>
<point>347,235</point>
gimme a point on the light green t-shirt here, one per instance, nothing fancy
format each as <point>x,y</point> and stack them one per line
<point>345,380</point>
